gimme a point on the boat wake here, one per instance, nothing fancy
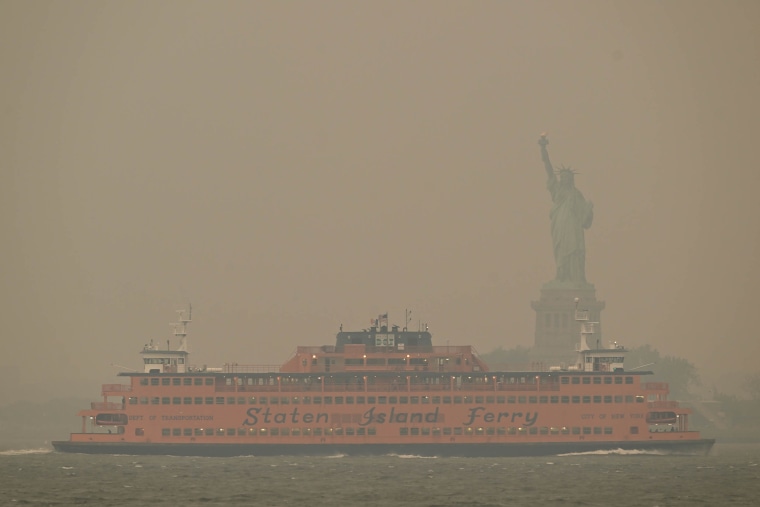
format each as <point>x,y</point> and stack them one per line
<point>617,452</point>
<point>411,456</point>
<point>23,452</point>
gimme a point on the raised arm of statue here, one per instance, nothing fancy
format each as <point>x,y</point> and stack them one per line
<point>545,156</point>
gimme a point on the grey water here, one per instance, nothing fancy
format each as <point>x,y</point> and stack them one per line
<point>730,475</point>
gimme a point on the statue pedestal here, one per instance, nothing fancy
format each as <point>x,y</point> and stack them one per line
<point>557,333</point>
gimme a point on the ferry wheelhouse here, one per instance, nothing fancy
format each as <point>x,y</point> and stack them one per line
<point>383,390</point>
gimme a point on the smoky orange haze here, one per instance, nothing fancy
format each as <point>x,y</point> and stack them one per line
<point>288,167</point>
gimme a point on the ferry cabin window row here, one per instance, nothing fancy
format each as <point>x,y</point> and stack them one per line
<point>210,381</point>
<point>379,400</point>
<point>403,431</point>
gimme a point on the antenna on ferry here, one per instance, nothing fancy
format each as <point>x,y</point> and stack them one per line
<point>180,327</point>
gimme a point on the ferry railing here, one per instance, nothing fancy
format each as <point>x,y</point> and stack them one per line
<point>358,387</point>
<point>116,388</point>
<point>662,404</point>
<point>106,405</point>
<point>250,368</point>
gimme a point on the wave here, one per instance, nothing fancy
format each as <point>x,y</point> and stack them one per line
<point>23,452</point>
<point>411,456</point>
<point>619,452</point>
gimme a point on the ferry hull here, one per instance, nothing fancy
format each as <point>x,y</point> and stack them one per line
<point>690,447</point>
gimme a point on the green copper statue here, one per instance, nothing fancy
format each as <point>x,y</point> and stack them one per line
<point>570,215</point>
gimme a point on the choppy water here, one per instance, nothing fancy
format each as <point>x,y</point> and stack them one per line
<point>729,476</point>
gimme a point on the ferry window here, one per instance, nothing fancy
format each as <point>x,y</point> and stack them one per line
<point>597,380</point>
<point>371,400</point>
<point>392,399</point>
<point>176,381</point>
<point>629,398</point>
<point>634,430</point>
<point>188,432</point>
<point>198,381</point>
<point>328,431</point>
<point>241,432</point>
<point>415,399</point>
<point>511,399</point>
<point>403,399</point>
<point>457,431</point>
<point>155,400</point>
<point>220,432</point>
<point>501,399</point>
<point>144,381</point>
<point>220,400</point>
<point>328,400</point>
<point>317,432</point>
<point>479,399</point>
<point>165,381</point>
<point>176,432</point>
<point>533,431</point>
<point>339,400</point>
<point>521,399</point>
<point>597,399</point>
<point>629,380</point>
<point>198,432</point>
<point>382,400</point>
<point>564,380</point>
<point>457,399</point>
<point>490,399</point>
<point>209,381</point>
<point>295,400</point>
<point>436,400</point>
<point>263,400</point>
<point>274,400</point>
<point>501,430</point>
<point>544,430</point>
<point>165,432</point>
<point>209,432</point>
<point>176,400</point>
<point>154,381</point>
<point>586,430</point>
<point>447,431</point>
<point>608,430</point>
<point>284,400</point>
<point>143,400</point>
<point>466,399</point>
<point>241,401</point>
<point>403,431</point>
<point>608,380</point>
<point>639,399</point>
<point>576,380</point>
<point>565,399</point>
<point>597,430</point>
<point>618,399</point>
<point>187,381</point>
<point>231,400</point>
<point>587,399</point>
<point>576,399</point>
<point>228,381</point>
<point>586,380</point>
<point>165,400</point>
<point>360,431</point>
<point>532,399</point>
<point>231,432</point>
<point>565,430</point>
<point>608,399</point>
<point>415,431</point>
<point>554,399</point>
<point>209,400</point>
<point>576,430</point>
<point>618,380</point>
<point>360,400</point>
<point>133,400</point>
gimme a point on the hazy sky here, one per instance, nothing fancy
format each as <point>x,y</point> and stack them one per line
<point>290,166</point>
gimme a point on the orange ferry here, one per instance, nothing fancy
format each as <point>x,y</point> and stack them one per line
<point>383,390</point>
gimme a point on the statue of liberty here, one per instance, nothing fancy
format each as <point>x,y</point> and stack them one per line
<point>570,215</point>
